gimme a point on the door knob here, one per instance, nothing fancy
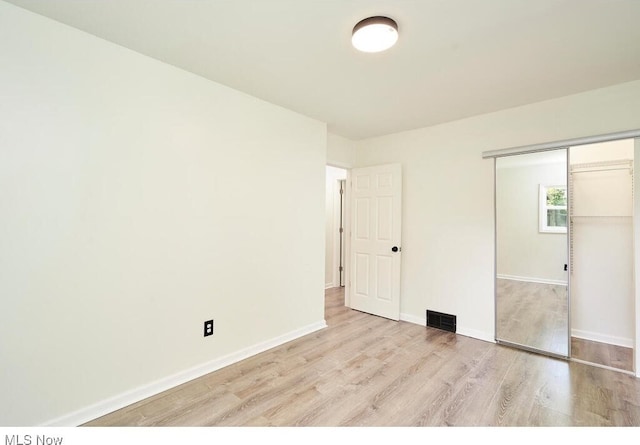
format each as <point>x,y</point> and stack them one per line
<point>395,249</point>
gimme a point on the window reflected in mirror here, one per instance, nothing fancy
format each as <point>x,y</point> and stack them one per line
<point>553,208</point>
<point>532,309</point>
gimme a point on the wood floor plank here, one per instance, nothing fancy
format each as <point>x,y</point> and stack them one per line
<point>364,370</point>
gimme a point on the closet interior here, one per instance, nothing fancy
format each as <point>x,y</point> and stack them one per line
<point>601,253</point>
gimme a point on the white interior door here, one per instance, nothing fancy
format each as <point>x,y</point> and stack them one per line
<point>376,194</point>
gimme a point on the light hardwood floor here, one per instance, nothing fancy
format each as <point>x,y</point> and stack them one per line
<point>363,370</point>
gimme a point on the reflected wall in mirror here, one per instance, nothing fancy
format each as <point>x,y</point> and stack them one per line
<point>532,308</point>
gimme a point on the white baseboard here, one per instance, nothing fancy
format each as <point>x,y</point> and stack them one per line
<point>422,321</point>
<point>532,280</point>
<point>127,398</point>
<point>478,335</point>
<point>602,338</point>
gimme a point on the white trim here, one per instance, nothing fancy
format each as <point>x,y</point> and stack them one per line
<point>342,165</point>
<point>532,280</point>
<point>422,321</point>
<point>127,398</point>
<point>478,335</point>
<point>636,253</point>
<point>336,229</point>
<point>347,239</point>
<point>602,338</point>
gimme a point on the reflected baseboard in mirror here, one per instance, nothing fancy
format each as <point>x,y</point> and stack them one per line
<point>533,314</point>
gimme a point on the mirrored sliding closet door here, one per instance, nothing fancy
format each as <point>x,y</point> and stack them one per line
<point>532,295</point>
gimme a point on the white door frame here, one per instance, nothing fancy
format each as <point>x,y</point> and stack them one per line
<point>332,237</point>
<point>347,240</point>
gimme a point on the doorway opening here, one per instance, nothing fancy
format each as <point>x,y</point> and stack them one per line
<point>335,241</point>
<point>335,202</point>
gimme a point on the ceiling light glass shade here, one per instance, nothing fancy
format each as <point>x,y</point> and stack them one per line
<point>375,34</point>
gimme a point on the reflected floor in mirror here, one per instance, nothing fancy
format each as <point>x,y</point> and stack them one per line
<point>533,315</point>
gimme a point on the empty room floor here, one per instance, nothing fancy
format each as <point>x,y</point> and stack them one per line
<point>364,370</point>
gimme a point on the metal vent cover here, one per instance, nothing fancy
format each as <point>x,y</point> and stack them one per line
<point>446,322</point>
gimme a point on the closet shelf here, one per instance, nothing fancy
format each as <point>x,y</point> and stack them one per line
<point>601,216</point>
<point>601,170</point>
<point>618,163</point>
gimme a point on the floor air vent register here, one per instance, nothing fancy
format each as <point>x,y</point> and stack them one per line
<point>446,322</point>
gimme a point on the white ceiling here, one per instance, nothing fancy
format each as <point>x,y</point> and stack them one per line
<point>454,58</point>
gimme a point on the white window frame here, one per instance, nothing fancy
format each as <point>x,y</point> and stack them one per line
<point>543,207</point>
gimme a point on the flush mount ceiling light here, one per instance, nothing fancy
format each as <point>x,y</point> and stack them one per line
<point>375,34</point>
